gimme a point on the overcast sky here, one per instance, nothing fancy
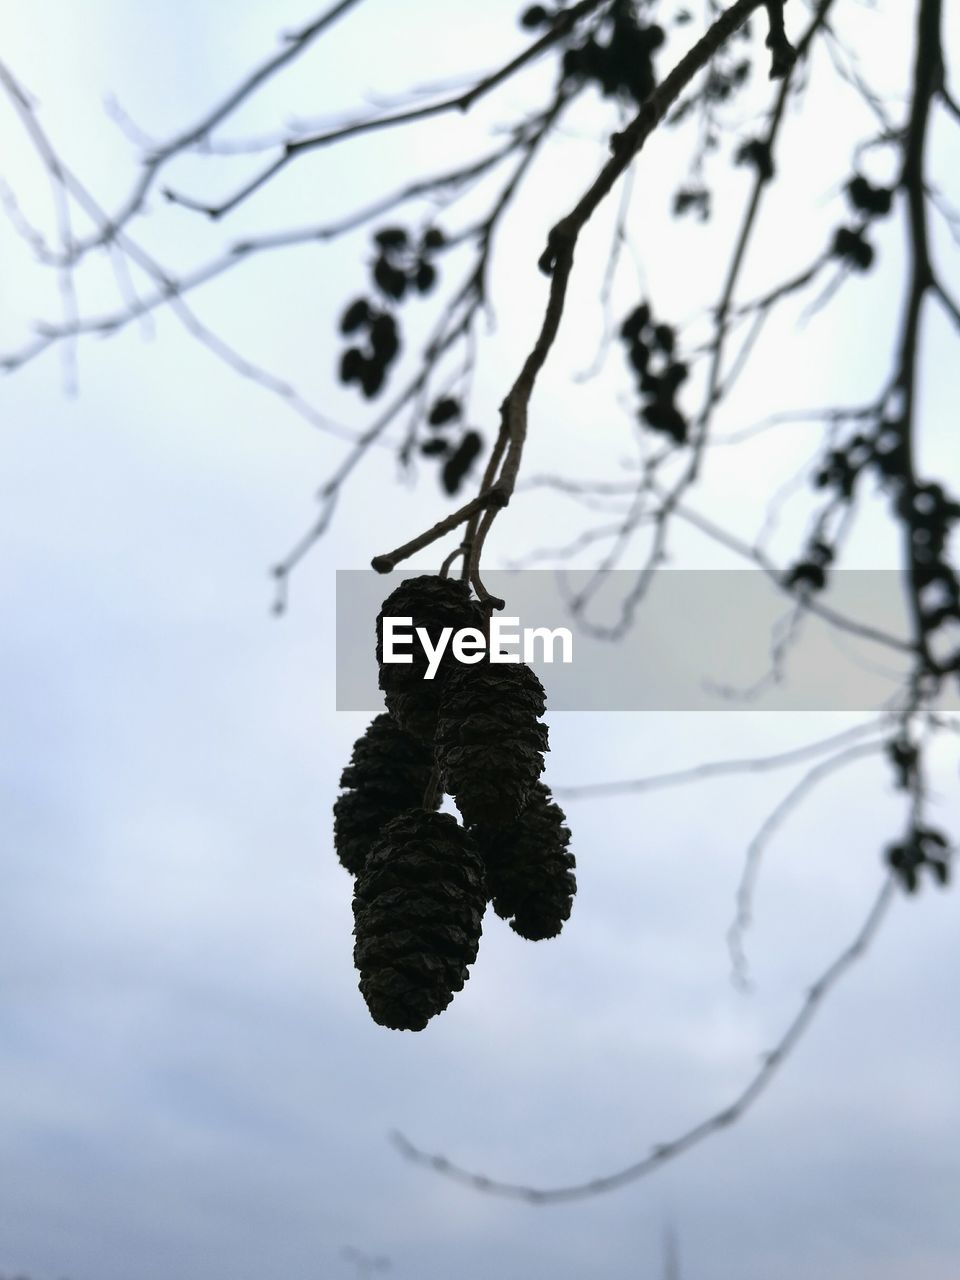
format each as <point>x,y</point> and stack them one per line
<point>191,1084</point>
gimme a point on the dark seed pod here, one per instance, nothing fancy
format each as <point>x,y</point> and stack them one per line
<point>573,62</point>
<point>664,338</point>
<point>434,448</point>
<point>418,909</point>
<point>757,153</point>
<point>389,279</point>
<point>391,237</point>
<point>529,871</point>
<point>849,244</point>
<point>371,376</point>
<point>355,316</point>
<point>426,277</point>
<point>535,16</point>
<point>664,416</point>
<point>639,356</point>
<point>388,773</point>
<point>444,410</point>
<point>351,365</point>
<point>692,198</point>
<point>433,603</point>
<point>384,337</point>
<point>636,322</point>
<point>490,741</point>
<point>459,463</point>
<point>653,36</point>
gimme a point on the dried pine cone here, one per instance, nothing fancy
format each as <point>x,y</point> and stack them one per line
<point>433,603</point>
<point>418,907</point>
<point>490,742</point>
<point>388,773</point>
<point>529,871</point>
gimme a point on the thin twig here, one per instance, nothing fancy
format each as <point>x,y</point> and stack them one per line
<point>462,102</point>
<point>295,44</point>
<point>387,563</point>
<point>758,845</point>
<point>719,768</point>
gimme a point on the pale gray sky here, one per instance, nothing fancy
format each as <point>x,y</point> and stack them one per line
<point>190,1084</point>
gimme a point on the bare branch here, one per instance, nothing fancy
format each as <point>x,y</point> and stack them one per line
<point>387,563</point>
<point>294,45</point>
<point>557,258</point>
<point>947,302</point>
<point>928,77</point>
<point>721,768</point>
<point>715,388</point>
<point>950,102</point>
<point>843,623</point>
<point>769,827</point>
<point>462,102</point>
<point>664,1152</point>
<point>166,286</point>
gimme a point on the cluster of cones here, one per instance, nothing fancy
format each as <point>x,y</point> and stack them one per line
<point>423,879</point>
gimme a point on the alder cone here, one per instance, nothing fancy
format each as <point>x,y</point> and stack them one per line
<point>388,773</point>
<point>418,909</point>
<point>433,603</point>
<point>490,741</point>
<point>529,871</point>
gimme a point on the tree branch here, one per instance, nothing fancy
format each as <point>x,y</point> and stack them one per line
<point>461,102</point>
<point>720,768</point>
<point>557,262</point>
<point>664,1152</point>
<point>489,498</point>
<point>152,165</point>
<point>757,846</point>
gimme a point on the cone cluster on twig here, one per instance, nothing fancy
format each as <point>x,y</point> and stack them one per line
<point>422,879</point>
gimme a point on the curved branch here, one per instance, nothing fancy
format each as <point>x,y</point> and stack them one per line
<point>771,824</point>
<point>664,1152</point>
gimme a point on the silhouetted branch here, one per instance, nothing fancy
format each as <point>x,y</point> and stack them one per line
<point>295,44</point>
<point>456,324</point>
<point>47,335</point>
<point>758,845</point>
<point>927,80</point>
<point>714,389</point>
<point>721,768</point>
<point>950,102</point>
<point>557,262</point>
<point>252,246</point>
<point>664,1152</point>
<point>751,552</point>
<point>948,303</point>
<point>387,563</point>
<point>462,102</point>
